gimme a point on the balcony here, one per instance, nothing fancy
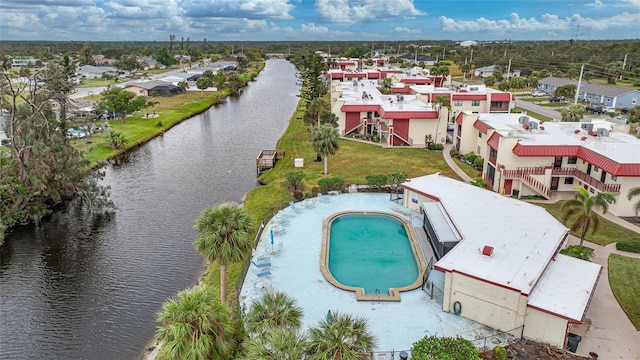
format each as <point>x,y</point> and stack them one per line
<point>610,188</point>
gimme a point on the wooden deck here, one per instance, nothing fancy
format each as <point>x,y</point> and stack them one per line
<point>267,160</point>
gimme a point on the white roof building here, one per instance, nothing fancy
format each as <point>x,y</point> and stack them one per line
<point>500,260</point>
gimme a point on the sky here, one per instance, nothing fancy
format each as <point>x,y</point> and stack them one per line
<point>319,20</point>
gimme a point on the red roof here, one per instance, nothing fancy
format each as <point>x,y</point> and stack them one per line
<point>610,166</point>
<point>337,75</point>
<point>469,96</point>
<point>417,81</point>
<point>459,118</point>
<point>494,140</point>
<point>501,97</point>
<point>358,75</point>
<point>482,126</point>
<point>374,75</point>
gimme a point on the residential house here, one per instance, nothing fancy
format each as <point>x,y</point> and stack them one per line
<point>608,95</point>
<point>524,156</point>
<point>153,88</point>
<point>17,63</point>
<point>550,84</point>
<point>498,262</point>
<point>100,60</point>
<point>94,72</point>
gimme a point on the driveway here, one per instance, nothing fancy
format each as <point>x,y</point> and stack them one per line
<point>550,112</point>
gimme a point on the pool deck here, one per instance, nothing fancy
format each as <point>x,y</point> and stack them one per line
<point>295,270</point>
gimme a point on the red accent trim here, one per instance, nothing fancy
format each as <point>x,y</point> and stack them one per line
<point>494,140</point>
<point>459,119</point>
<point>573,321</point>
<point>482,126</point>
<point>468,96</point>
<point>430,114</point>
<point>337,75</point>
<point>501,97</point>
<point>480,279</point>
<point>359,108</point>
<point>417,81</point>
<point>355,75</point>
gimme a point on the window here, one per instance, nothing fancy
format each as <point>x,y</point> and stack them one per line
<point>572,160</point>
<point>614,178</point>
<point>596,169</point>
<point>568,180</point>
<point>478,150</point>
<point>457,103</point>
<point>480,134</point>
<point>475,103</point>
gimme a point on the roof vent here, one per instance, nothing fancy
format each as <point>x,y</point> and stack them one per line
<point>523,119</point>
<point>584,138</point>
<point>576,131</point>
<point>587,126</point>
<point>602,132</point>
<point>533,125</point>
<point>487,250</point>
<point>542,128</point>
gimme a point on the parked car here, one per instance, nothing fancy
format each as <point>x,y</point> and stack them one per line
<point>596,109</point>
<point>450,126</point>
<point>538,94</point>
<point>624,111</point>
<point>556,99</point>
<point>609,110</point>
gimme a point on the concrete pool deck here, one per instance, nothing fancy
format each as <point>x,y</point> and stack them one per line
<point>295,270</point>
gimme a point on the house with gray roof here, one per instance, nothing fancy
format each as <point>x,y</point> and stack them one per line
<point>153,88</point>
<point>550,84</point>
<point>609,95</point>
<point>96,72</point>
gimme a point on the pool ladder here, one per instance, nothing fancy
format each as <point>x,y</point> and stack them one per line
<point>378,293</point>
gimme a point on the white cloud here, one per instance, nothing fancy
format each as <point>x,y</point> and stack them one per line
<point>514,24</point>
<point>406,30</point>
<point>251,9</point>
<point>596,3</point>
<point>313,29</point>
<point>345,11</point>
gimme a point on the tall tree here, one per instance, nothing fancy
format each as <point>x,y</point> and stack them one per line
<point>195,325</point>
<point>276,345</point>
<point>325,142</point>
<point>224,237</point>
<point>120,102</point>
<point>341,337</point>
<point>275,311</point>
<point>317,110</point>
<point>581,210</point>
<point>203,83</point>
<point>86,55</point>
<point>311,67</point>
<point>574,113</point>
<point>633,192</point>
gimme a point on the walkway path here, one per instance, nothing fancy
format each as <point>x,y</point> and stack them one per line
<point>446,153</point>
<point>607,330</point>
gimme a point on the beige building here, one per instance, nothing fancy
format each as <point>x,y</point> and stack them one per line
<point>498,260</point>
<point>524,156</point>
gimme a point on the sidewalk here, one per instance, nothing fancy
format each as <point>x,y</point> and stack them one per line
<point>452,164</point>
<point>606,331</point>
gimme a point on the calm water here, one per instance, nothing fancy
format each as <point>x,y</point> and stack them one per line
<point>80,287</point>
<point>362,245</point>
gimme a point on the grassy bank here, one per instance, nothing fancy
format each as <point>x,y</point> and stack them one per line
<point>625,284</point>
<point>608,232</point>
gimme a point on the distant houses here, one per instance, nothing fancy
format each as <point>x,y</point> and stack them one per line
<point>600,94</point>
<point>153,88</point>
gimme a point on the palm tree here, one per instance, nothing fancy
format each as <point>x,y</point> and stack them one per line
<point>341,337</point>
<point>275,311</point>
<point>317,110</point>
<point>632,193</point>
<point>325,142</point>
<point>150,104</point>
<point>581,207</point>
<point>465,69</point>
<point>574,113</point>
<point>195,326</point>
<point>224,237</point>
<point>385,85</point>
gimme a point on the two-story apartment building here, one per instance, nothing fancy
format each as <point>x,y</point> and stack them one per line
<point>525,156</point>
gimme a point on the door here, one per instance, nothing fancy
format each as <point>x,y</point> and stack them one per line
<point>508,183</point>
<point>603,177</point>
<point>557,162</point>
<point>554,183</point>
<point>589,169</point>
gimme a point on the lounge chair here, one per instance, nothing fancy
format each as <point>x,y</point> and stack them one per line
<point>261,265</point>
<point>294,208</point>
<point>261,273</point>
<point>323,198</point>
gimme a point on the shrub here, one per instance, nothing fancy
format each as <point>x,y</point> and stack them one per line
<point>331,184</point>
<point>159,123</point>
<point>446,348</point>
<point>298,195</point>
<point>376,182</point>
<point>477,163</point>
<point>453,153</point>
<point>500,352</point>
<point>315,190</point>
<point>294,179</point>
<point>578,252</point>
<point>470,157</point>
<point>439,147</point>
<point>630,245</point>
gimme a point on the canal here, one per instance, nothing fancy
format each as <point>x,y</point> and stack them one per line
<point>83,287</point>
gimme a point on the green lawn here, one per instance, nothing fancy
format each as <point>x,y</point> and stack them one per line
<point>607,233</point>
<point>88,83</point>
<point>625,284</point>
<point>468,169</point>
<point>531,113</point>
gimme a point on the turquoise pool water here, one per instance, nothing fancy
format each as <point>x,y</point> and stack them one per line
<point>371,251</point>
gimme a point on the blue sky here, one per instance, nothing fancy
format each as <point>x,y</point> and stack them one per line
<point>323,20</point>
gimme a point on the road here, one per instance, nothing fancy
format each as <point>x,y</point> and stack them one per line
<point>542,110</point>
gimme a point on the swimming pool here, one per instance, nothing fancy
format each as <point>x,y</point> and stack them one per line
<point>374,254</point>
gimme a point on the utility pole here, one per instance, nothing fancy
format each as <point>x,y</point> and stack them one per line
<point>624,64</point>
<point>471,60</point>
<point>509,70</point>
<point>575,100</point>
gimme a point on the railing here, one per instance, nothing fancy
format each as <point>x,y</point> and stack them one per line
<point>610,188</point>
<point>403,137</point>
<point>347,132</point>
<point>536,185</point>
<point>525,175</point>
